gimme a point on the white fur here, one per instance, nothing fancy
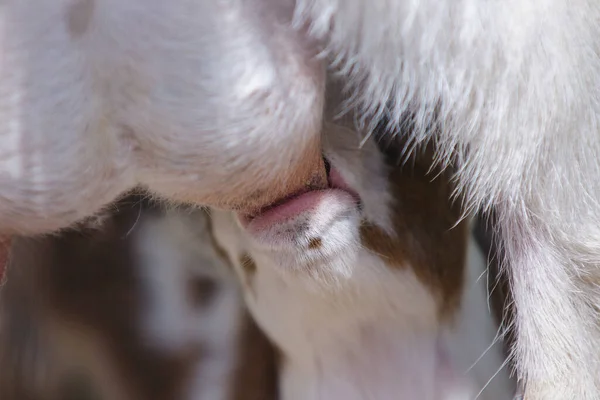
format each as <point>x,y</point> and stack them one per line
<point>161,93</point>
<point>150,93</point>
<point>349,325</point>
<point>514,85</point>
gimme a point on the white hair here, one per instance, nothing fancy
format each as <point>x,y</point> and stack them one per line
<point>206,101</point>
<point>514,88</point>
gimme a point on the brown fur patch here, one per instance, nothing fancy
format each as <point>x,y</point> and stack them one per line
<point>202,291</point>
<point>86,279</point>
<point>256,377</point>
<point>424,220</point>
<point>315,243</point>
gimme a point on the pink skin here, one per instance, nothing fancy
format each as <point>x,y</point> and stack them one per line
<point>292,208</point>
<point>299,204</point>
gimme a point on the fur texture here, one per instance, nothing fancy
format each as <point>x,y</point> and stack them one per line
<point>204,100</point>
<point>94,104</point>
<point>513,88</point>
<point>371,302</point>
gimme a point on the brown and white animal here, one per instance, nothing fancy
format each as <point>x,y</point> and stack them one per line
<point>218,102</point>
<point>135,305</point>
<point>140,302</point>
<point>367,288</point>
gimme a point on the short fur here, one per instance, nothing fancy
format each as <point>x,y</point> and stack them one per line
<point>205,100</point>
<point>376,301</point>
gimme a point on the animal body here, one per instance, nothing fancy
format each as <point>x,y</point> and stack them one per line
<point>219,102</point>
<point>370,289</point>
<point>134,305</point>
